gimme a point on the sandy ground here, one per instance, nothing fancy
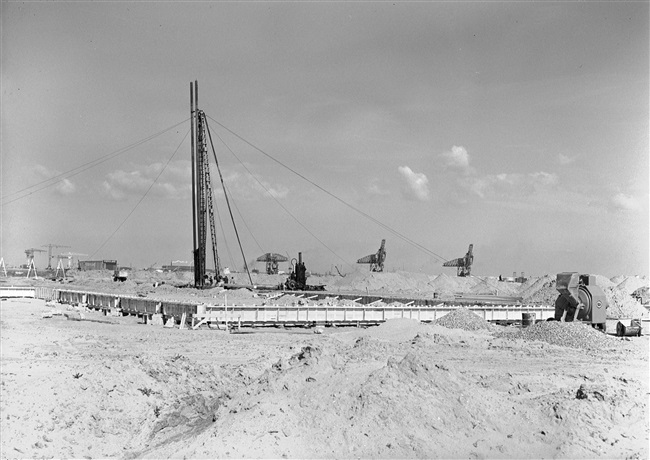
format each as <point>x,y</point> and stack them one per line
<point>113,387</point>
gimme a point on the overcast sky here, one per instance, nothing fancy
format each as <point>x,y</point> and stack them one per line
<point>520,127</point>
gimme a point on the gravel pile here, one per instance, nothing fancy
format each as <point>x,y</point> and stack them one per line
<point>465,319</point>
<point>573,335</point>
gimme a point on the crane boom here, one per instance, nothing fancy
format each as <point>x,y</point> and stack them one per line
<point>49,247</point>
<point>464,264</point>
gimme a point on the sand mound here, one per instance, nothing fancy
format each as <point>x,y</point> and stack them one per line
<point>622,304</point>
<point>632,283</point>
<point>373,282</point>
<point>446,284</point>
<point>540,290</point>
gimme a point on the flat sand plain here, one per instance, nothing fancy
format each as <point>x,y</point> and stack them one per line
<point>114,387</point>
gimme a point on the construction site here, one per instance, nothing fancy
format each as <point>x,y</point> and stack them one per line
<point>196,360</point>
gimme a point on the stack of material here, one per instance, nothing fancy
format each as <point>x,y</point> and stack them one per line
<point>464,319</point>
<point>573,335</point>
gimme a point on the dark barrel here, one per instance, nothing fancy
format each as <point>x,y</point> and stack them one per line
<point>527,319</point>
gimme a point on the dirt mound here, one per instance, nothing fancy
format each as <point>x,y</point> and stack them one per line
<point>446,284</point>
<point>463,318</point>
<point>381,282</point>
<point>623,305</point>
<point>371,400</point>
<point>604,282</point>
<point>632,283</point>
<point>490,285</point>
<point>540,290</point>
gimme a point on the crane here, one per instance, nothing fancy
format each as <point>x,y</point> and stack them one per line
<point>49,253</point>
<point>464,264</point>
<point>272,259</point>
<point>376,260</point>
<point>30,255</point>
<point>30,259</point>
<point>69,256</point>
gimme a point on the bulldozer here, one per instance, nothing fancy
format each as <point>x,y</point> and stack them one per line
<point>580,299</point>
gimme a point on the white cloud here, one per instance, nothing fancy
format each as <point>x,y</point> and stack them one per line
<point>457,157</point>
<point>510,185</point>
<point>543,178</point>
<point>62,186</point>
<point>246,187</point>
<point>417,184</point>
<point>173,182</point>
<point>66,187</point>
<point>565,159</point>
<point>112,192</point>
<point>375,189</point>
<point>623,202</point>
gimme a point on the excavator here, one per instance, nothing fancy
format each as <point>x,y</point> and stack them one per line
<point>375,260</point>
<point>464,264</point>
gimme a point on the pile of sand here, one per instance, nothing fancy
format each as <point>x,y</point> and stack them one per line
<point>622,304</point>
<point>632,283</point>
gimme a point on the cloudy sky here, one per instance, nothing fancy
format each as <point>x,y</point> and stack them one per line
<point>520,127</point>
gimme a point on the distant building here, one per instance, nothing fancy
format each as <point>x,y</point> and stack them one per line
<point>178,266</point>
<point>85,265</point>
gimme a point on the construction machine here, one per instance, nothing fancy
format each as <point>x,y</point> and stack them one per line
<point>464,264</point>
<point>580,299</point>
<point>120,274</point>
<point>297,280</point>
<point>375,260</point>
<point>272,259</point>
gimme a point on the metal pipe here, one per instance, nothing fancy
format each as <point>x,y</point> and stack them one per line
<point>193,178</point>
